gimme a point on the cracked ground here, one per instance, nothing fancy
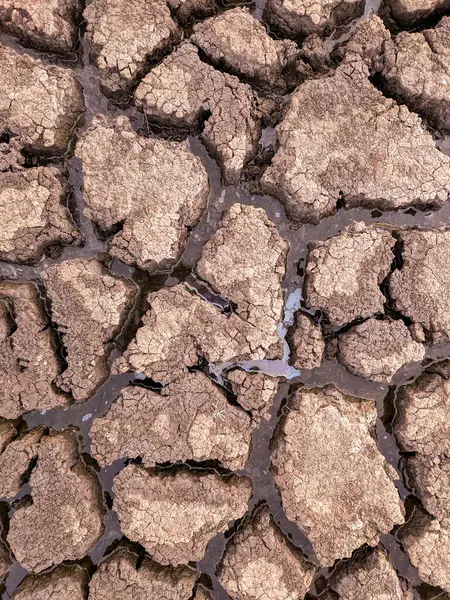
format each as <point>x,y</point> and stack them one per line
<point>224,292</point>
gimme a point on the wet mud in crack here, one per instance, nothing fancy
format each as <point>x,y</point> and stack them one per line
<point>101,248</point>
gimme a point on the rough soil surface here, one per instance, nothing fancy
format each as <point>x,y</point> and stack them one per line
<point>417,69</point>
<point>254,391</point>
<point>378,349</point>
<point>245,261</point>
<point>89,306</point>
<point>334,483</point>
<point>183,90</point>
<point>5,558</point>
<point>39,103</point>
<point>191,420</point>
<point>341,139</point>
<point>420,288</point>
<point>422,427</point>
<point>174,516</point>
<point>187,10</point>
<point>302,17</point>
<point>63,583</point>
<point>306,342</point>
<point>29,361</point>
<point>33,213</point>
<point>119,578</point>
<point>260,564</point>
<point>409,13</point>
<point>124,35</point>
<point>427,542</point>
<point>180,328</point>
<point>155,190</point>
<point>51,26</point>
<point>369,575</point>
<point>15,460</point>
<point>344,273</point>
<point>65,517</point>
<point>367,43</point>
<point>238,41</point>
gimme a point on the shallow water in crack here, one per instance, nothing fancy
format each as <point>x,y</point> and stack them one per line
<point>80,416</point>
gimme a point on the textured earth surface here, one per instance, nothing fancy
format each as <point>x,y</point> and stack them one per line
<point>224,292</point>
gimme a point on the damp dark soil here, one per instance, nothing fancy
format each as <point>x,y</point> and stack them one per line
<point>94,244</point>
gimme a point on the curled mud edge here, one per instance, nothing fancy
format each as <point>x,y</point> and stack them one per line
<point>80,416</point>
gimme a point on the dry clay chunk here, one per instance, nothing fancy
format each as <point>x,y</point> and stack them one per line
<point>334,483</point>
<point>417,69</point>
<point>181,90</point>
<point>15,461</point>
<point>344,273</point>
<point>89,306</point>
<point>260,564</point>
<point>240,42</point>
<point>33,214</point>
<point>191,421</point>
<point>50,25</point>
<point>245,261</point>
<point>63,583</point>
<point>255,392</point>
<point>124,34</point>
<point>180,327</point>
<point>378,349</point>
<point>7,433</point>
<point>342,139</point>
<point>29,364</point>
<point>421,288</point>
<point>302,17</point>
<point>369,574</point>
<point>306,342</point>
<point>5,558</point>
<point>157,189</point>
<point>65,517</point>
<point>118,578</point>
<point>38,103</point>
<point>427,542</point>
<point>174,516</point>
<point>367,43</point>
<point>408,13</point>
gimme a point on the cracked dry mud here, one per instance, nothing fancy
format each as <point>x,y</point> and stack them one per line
<point>224,290</point>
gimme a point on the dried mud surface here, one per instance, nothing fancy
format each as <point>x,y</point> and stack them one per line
<point>224,290</point>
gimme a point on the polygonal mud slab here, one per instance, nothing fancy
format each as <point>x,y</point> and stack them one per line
<point>29,361</point>
<point>306,342</point>
<point>409,13</point>
<point>245,261</point>
<point>427,542</point>
<point>65,516</point>
<point>238,41</point>
<point>302,17</point>
<point>39,103</point>
<point>181,328</point>
<point>15,460</point>
<point>174,516</point>
<point>63,583</point>
<point>260,564</point>
<point>366,43</point>
<point>120,578</point>
<point>89,306</point>
<point>417,70</point>
<point>155,190</point>
<point>377,349</point>
<point>369,574</point>
<point>342,140</point>
<point>344,273</point>
<point>182,91</point>
<point>334,483</point>
<point>421,288</point>
<point>33,214</point>
<point>255,392</point>
<point>51,26</point>
<point>192,420</point>
<point>124,35</point>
